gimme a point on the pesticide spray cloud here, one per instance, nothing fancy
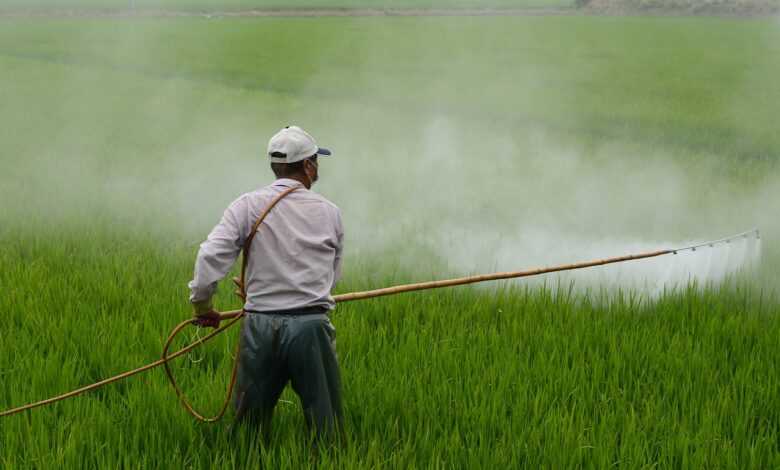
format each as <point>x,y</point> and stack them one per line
<point>547,204</point>
<point>476,160</point>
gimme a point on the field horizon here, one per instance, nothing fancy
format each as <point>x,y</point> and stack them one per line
<point>742,8</point>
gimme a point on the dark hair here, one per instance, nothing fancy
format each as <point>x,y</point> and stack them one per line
<point>285,170</point>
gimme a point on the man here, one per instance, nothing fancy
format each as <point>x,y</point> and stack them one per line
<point>294,263</point>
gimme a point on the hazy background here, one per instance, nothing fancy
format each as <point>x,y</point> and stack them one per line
<point>456,151</point>
<point>232,5</point>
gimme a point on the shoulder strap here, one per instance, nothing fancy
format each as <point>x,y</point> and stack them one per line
<point>241,282</point>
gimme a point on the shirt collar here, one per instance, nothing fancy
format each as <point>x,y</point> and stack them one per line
<point>288,183</point>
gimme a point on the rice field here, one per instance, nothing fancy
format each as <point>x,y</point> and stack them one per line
<point>567,137</point>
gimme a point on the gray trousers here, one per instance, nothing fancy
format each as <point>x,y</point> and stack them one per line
<point>275,349</point>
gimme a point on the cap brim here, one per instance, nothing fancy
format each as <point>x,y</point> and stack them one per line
<point>322,151</point>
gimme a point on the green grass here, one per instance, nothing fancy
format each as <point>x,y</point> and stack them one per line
<point>122,141</point>
<point>452,378</point>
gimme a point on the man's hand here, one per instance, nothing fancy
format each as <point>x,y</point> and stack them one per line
<point>208,319</point>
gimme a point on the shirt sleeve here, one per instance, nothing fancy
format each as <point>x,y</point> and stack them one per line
<point>339,250</point>
<point>217,255</point>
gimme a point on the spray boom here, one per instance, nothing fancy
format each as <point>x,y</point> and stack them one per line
<point>744,235</point>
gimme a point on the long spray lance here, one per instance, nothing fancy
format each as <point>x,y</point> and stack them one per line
<point>235,316</point>
<point>518,274</point>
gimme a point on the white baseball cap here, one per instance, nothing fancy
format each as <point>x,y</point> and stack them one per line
<point>293,144</point>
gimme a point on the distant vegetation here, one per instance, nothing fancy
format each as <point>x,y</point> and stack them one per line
<point>690,6</point>
<point>287,4</point>
<point>615,6</point>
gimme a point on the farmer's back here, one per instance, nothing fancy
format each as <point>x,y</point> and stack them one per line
<point>295,258</point>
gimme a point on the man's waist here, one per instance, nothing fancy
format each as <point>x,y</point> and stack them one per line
<point>314,310</point>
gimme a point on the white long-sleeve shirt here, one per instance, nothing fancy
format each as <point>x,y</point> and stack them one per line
<point>294,260</point>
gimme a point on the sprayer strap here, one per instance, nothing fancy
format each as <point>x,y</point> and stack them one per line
<point>241,292</point>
